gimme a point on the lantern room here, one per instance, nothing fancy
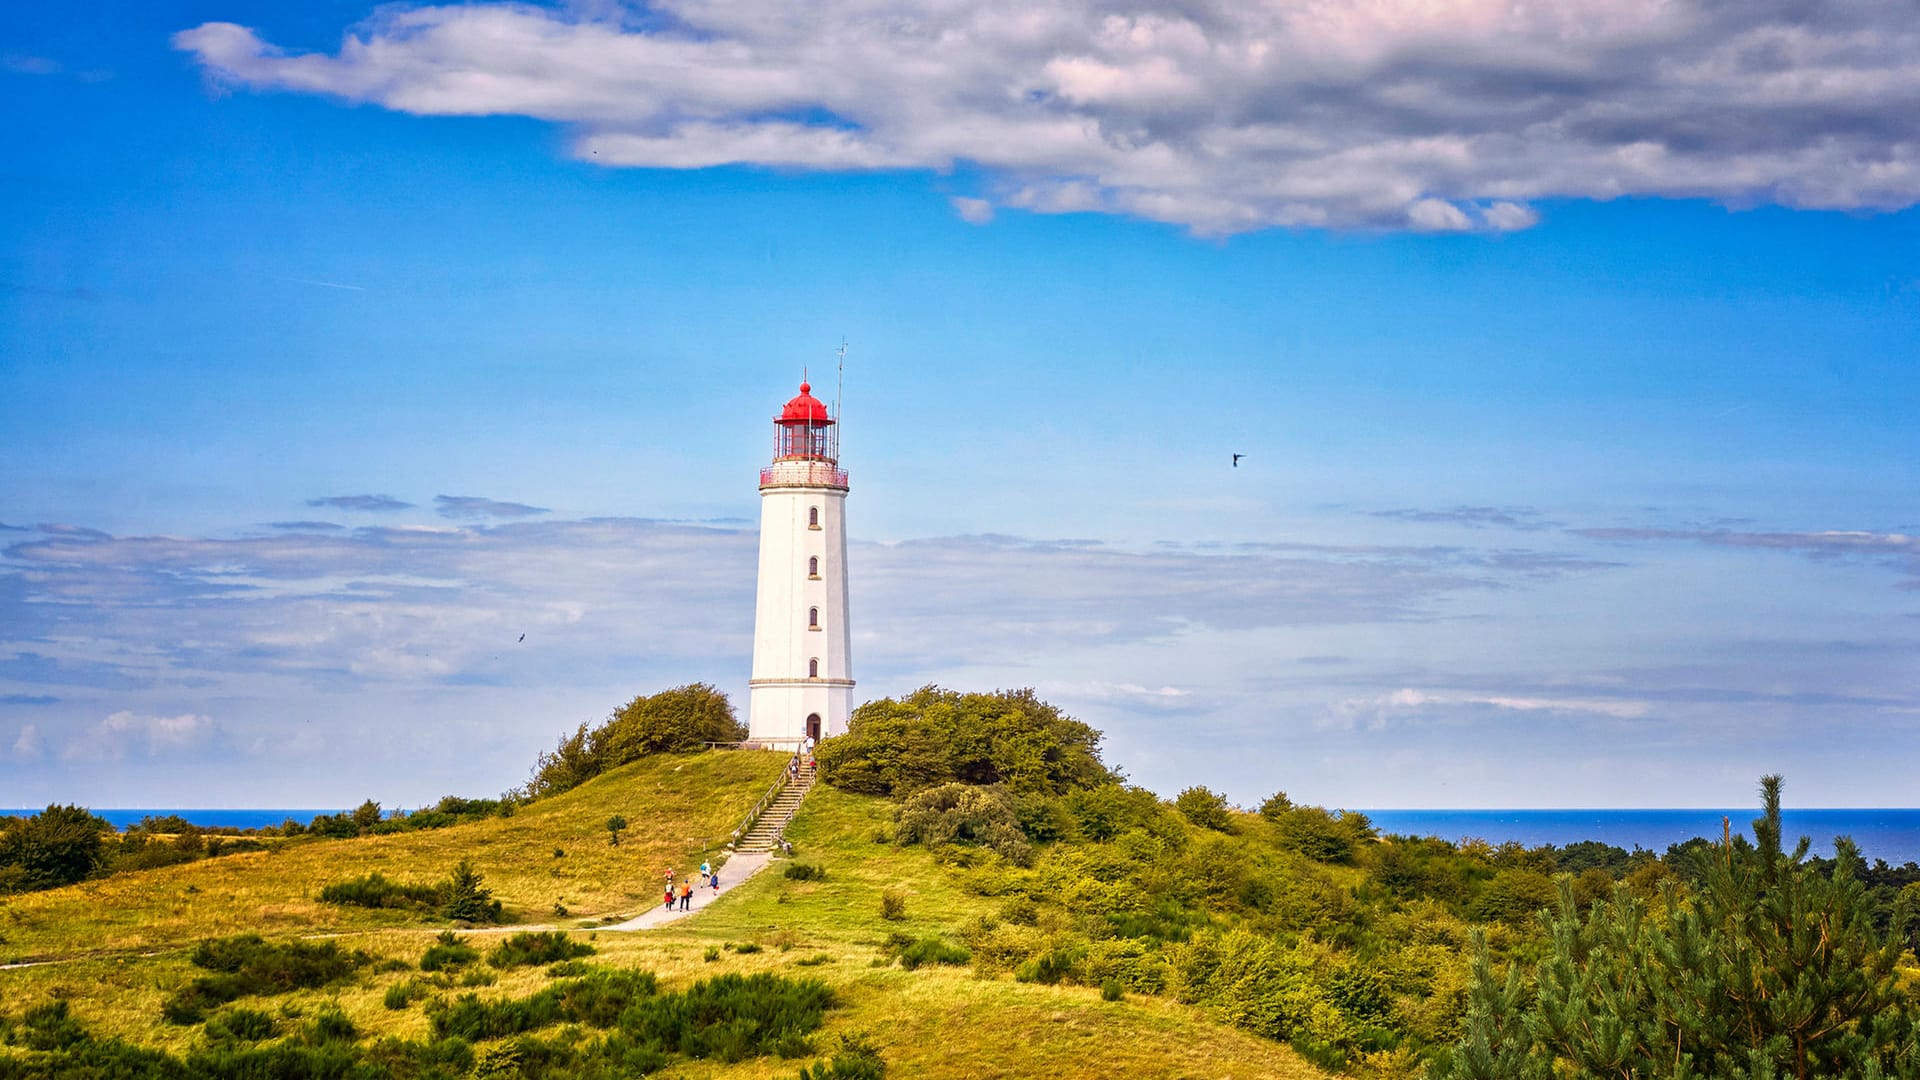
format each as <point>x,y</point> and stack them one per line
<point>804,430</point>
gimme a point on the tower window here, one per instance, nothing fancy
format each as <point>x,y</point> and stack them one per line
<point>813,566</point>
<point>813,517</point>
<point>813,668</point>
<point>813,618</point>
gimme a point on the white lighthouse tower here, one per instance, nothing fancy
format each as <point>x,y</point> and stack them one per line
<point>802,682</point>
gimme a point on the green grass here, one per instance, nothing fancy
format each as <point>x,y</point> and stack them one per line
<point>937,1021</point>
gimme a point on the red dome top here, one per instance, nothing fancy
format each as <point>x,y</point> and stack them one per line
<point>805,409</point>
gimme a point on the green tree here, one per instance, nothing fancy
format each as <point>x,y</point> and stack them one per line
<point>1205,808</point>
<point>467,897</point>
<point>1767,968</point>
<point>568,765</point>
<point>614,825</point>
<point>366,816</point>
<point>934,736</point>
<point>58,846</point>
<point>675,721</point>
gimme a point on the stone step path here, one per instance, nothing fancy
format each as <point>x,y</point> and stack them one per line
<point>765,834</point>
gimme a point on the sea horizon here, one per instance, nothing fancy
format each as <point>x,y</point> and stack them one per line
<point>1888,833</point>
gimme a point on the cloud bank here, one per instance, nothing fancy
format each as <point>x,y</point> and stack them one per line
<point>1432,115</point>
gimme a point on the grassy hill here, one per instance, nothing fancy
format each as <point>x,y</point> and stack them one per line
<point>124,943</point>
<point>552,851</point>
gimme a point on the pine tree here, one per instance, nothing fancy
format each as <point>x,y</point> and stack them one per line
<point>1765,970</point>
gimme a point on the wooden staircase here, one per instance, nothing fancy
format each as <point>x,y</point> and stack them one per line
<point>763,832</point>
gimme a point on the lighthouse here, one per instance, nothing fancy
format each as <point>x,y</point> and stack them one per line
<point>802,683</point>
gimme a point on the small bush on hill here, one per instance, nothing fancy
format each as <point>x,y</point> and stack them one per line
<point>239,1024</point>
<point>893,905</point>
<point>464,897</point>
<point>803,871</point>
<point>935,736</point>
<point>448,951</point>
<point>1323,836</point>
<point>536,948</point>
<point>246,966</point>
<point>932,950</point>
<point>854,1059</point>
<point>375,891</point>
<point>963,814</point>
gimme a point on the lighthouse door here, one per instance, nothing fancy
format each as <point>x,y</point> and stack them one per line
<point>813,726</point>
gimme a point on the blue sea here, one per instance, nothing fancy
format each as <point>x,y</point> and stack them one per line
<point>239,819</point>
<point>1890,834</point>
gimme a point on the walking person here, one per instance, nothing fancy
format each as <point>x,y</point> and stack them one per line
<point>716,882</point>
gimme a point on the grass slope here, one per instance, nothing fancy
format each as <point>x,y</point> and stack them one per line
<point>678,808</point>
<point>941,1023</point>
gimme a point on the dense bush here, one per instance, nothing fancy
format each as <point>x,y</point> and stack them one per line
<point>246,965</point>
<point>1205,808</point>
<point>57,846</point>
<point>375,891</point>
<point>804,871</point>
<point>963,814</point>
<point>730,1017</point>
<point>680,720</point>
<point>448,951</point>
<point>1320,835</point>
<point>536,948</point>
<point>913,952</point>
<point>935,736</point>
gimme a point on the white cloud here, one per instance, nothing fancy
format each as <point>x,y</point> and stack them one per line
<point>1411,699</point>
<point>972,211</point>
<point>29,745</point>
<point>1440,116</point>
<point>125,732</point>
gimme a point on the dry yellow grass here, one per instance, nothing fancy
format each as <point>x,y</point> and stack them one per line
<point>678,809</point>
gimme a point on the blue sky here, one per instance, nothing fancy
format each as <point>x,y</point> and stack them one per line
<point>1572,349</point>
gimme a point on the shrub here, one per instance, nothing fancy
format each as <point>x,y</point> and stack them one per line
<point>466,899</point>
<point>893,905</point>
<point>854,1059</point>
<point>330,1026</point>
<point>935,736</point>
<point>236,1023</point>
<point>533,948</point>
<point>403,993</point>
<point>449,951</point>
<point>596,999</point>
<point>567,969</point>
<point>1205,808</point>
<point>932,950</point>
<point>1053,966</point>
<point>246,965</point>
<point>614,825</point>
<point>674,721</point>
<point>57,846</point>
<point>712,954</point>
<point>962,814</point>
<point>744,947</point>
<point>1322,836</point>
<point>801,871</point>
<point>1276,806</point>
<point>729,1017</point>
<point>375,891</point>
<point>1111,990</point>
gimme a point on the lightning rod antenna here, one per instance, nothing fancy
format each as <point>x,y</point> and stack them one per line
<point>840,380</point>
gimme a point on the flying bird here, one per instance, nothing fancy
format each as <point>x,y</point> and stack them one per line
<point>1236,460</point>
<point>523,637</point>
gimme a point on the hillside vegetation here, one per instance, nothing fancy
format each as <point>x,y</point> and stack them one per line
<point>974,893</point>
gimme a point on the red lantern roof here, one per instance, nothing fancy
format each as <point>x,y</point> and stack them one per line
<point>805,409</point>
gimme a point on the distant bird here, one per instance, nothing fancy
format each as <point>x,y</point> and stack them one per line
<point>523,637</point>
<point>1236,460</point>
